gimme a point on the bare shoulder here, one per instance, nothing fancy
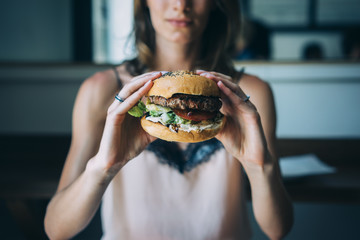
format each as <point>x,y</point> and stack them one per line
<point>101,87</point>
<point>98,87</point>
<point>257,88</point>
<point>94,97</point>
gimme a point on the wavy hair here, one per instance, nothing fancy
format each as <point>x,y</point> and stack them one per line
<point>218,40</point>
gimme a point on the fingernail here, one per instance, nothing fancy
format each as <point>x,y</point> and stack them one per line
<point>163,72</point>
<point>207,74</point>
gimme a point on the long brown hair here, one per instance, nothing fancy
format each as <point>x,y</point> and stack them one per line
<point>218,40</point>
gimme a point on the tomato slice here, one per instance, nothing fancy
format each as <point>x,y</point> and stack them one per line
<point>195,115</point>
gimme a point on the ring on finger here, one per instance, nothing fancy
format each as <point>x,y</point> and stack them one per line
<point>246,99</point>
<point>120,99</point>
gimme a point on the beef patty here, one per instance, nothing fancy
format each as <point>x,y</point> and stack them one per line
<point>184,102</point>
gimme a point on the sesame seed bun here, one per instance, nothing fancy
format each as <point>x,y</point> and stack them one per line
<point>183,82</point>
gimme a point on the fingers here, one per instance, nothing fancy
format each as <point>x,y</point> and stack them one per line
<point>149,74</point>
<point>133,99</point>
<point>227,80</point>
<point>224,80</point>
<point>227,106</point>
<point>137,83</point>
<point>229,97</point>
<point>132,92</point>
<point>214,75</point>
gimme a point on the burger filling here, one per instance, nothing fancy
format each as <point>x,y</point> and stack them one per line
<point>185,112</point>
<point>185,102</point>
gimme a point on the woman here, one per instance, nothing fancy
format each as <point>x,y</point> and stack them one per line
<point>111,159</point>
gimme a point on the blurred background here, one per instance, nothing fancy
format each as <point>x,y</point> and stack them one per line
<point>308,51</point>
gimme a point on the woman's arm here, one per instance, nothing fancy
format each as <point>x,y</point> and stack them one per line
<point>72,208</point>
<point>249,135</point>
<point>104,139</point>
<point>80,187</point>
<point>271,203</point>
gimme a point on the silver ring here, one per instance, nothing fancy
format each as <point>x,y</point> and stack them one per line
<point>117,97</point>
<point>247,98</point>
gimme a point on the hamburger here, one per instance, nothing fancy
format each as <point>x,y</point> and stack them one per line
<point>182,106</point>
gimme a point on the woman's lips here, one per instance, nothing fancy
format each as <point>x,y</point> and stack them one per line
<point>180,22</point>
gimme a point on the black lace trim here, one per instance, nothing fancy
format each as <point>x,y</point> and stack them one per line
<point>184,161</point>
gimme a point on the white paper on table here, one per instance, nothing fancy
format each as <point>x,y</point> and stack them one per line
<point>303,165</point>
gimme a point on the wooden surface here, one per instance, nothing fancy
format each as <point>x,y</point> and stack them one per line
<point>343,186</point>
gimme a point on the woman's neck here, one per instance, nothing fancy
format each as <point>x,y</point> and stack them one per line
<point>170,56</point>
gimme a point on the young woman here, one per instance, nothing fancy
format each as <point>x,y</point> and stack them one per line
<point>136,177</point>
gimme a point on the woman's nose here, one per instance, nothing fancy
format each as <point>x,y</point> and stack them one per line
<point>182,5</point>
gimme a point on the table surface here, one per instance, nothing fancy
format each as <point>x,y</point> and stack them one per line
<point>31,168</point>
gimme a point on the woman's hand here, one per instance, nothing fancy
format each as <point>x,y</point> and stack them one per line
<point>123,137</point>
<point>242,135</point>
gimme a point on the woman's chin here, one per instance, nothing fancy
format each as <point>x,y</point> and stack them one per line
<point>182,39</point>
<point>181,36</point>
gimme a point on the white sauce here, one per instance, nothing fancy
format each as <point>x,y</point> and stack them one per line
<point>187,127</point>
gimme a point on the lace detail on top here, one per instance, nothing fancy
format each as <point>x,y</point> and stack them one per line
<point>184,161</point>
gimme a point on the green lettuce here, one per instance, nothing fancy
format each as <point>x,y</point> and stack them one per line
<point>166,115</point>
<point>138,110</point>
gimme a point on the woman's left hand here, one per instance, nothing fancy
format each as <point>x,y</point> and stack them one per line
<point>242,135</point>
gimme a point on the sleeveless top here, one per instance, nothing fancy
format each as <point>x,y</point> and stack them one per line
<point>167,193</point>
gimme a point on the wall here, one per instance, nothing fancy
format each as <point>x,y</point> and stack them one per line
<point>290,45</point>
<point>314,99</point>
<point>49,92</point>
<point>36,30</point>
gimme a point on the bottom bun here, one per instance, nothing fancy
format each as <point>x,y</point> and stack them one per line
<point>160,131</point>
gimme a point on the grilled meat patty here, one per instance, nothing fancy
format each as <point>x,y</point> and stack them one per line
<point>184,102</point>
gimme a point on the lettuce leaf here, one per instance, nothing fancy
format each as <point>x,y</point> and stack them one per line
<point>138,110</point>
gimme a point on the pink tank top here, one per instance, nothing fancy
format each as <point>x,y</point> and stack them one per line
<point>148,199</point>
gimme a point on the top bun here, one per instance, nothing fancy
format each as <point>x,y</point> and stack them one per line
<point>183,82</point>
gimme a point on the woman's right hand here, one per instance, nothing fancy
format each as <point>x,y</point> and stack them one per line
<point>123,137</point>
